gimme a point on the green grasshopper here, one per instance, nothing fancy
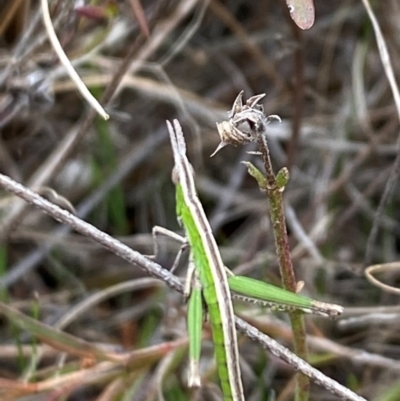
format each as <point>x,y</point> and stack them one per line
<point>210,271</point>
<point>214,283</point>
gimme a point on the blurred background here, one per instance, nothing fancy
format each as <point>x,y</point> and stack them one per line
<point>152,60</point>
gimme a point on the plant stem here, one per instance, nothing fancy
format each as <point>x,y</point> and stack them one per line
<point>274,193</point>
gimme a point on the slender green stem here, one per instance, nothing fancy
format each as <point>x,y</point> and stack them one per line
<point>274,193</point>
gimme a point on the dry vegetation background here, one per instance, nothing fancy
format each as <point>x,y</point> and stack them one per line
<point>189,59</point>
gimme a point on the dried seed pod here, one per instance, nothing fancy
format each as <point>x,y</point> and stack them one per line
<point>245,124</point>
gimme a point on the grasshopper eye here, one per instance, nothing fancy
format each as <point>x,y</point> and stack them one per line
<point>175,175</point>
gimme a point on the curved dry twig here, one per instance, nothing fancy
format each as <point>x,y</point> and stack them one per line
<point>382,268</point>
<point>67,64</point>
